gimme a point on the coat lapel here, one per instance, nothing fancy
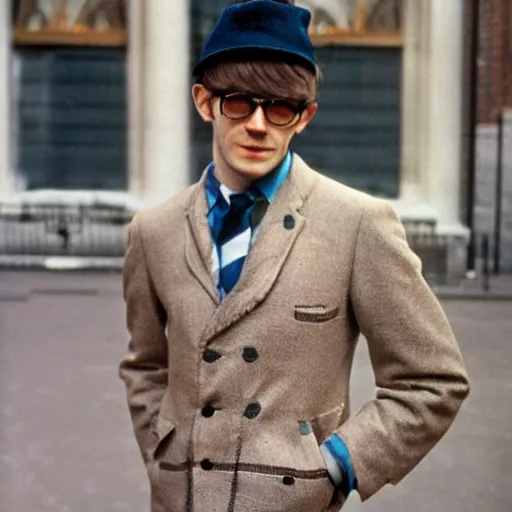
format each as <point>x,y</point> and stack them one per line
<point>277,233</point>
<point>198,245</point>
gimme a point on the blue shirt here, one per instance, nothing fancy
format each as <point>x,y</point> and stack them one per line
<point>218,197</point>
<point>269,186</point>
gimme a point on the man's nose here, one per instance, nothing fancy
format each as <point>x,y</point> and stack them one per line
<point>257,122</point>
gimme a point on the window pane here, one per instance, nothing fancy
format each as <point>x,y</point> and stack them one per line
<point>354,16</point>
<point>70,22</point>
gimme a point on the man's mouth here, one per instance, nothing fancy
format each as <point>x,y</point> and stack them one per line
<point>257,149</point>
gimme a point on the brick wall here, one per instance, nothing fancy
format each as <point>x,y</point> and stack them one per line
<point>494,59</point>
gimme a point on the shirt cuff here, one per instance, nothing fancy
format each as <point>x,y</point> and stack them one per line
<point>338,451</point>
<point>332,466</point>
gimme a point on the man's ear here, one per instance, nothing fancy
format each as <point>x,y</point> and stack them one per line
<point>203,102</point>
<point>307,117</point>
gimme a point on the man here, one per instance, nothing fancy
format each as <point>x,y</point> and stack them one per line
<point>246,295</point>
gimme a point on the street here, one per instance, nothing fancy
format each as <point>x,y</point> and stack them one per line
<point>66,443</point>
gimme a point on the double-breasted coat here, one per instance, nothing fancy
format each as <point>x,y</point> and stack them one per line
<point>230,400</point>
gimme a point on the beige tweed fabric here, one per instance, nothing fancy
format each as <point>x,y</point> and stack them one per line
<point>231,400</point>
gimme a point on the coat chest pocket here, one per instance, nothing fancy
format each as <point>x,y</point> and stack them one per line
<point>315,314</point>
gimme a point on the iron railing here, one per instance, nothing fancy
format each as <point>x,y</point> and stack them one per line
<point>431,248</point>
<point>30,234</point>
<point>54,235</point>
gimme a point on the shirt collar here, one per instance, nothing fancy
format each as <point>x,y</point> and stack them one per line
<point>268,186</point>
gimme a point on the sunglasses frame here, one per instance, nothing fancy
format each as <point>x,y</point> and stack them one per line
<point>255,102</point>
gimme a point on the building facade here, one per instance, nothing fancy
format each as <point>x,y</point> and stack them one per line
<point>492,214</point>
<point>494,60</point>
<point>390,120</point>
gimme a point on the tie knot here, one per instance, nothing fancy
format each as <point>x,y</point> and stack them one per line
<point>245,211</point>
<point>243,201</point>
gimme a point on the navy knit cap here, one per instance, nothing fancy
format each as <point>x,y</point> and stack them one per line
<point>261,28</point>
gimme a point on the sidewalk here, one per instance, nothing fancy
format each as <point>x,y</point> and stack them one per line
<point>106,279</point>
<point>66,439</point>
<point>500,288</point>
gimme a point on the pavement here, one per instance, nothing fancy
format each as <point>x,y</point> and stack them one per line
<point>66,442</point>
<point>494,288</point>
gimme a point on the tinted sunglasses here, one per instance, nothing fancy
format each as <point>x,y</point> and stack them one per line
<point>280,112</point>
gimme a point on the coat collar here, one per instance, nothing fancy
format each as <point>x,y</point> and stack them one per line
<point>267,186</point>
<point>271,248</point>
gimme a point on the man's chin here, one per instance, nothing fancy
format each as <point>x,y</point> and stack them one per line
<point>254,170</point>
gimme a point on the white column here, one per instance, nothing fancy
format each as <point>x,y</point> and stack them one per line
<point>135,98</point>
<point>423,98</point>
<point>166,99</point>
<point>410,178</point>
<point>413,202</point>
<point>415,104</point>
<point>6,179</point>
<point>445,105</point>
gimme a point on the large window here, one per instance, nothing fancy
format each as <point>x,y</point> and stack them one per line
<point>355,136</point>
<point>70,22</point>
<point>361,22</point>
<point>69,94</point>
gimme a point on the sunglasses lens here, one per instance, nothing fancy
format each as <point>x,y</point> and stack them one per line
<point>281,113</point>
<point>237,106</point>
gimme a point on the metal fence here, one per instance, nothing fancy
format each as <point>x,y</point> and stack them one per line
<point>46,235</point>
<point>57,235</point>
<point>431,248</point>
<point>60,236</point>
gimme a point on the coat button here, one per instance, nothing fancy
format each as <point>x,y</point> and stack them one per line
<point>208,411</point>
<point>288,480</point>
<point>250,354</point>
<point>289,222</point>
<point>252,410</point>
<point>210,356</point>
<point>206,465</point>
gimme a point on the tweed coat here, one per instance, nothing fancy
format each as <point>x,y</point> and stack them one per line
<point>230,400</point>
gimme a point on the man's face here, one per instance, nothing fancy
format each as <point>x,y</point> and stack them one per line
<point>246,149</point>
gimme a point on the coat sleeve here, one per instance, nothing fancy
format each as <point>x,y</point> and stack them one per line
<point>145,368</point>
<point>419,372</point>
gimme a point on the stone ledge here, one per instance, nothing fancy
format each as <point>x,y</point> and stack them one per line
<point>21,261</point>
<point>481,296</point>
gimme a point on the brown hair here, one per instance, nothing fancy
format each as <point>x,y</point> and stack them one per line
<point>268,78</point>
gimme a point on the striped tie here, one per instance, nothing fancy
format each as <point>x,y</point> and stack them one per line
<point>234,237</point>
